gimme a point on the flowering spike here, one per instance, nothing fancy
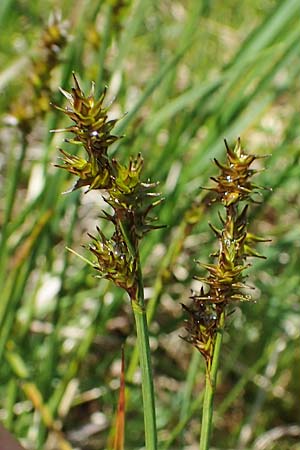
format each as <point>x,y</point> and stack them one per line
<point>226,279</point>
<point>131,199</point>
<point>92,128</point>
<point>114,260</point>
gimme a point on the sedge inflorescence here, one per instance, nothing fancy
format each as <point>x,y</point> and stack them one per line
<point>225,283</point>
<point>35,102</point>
<point>131,200</point>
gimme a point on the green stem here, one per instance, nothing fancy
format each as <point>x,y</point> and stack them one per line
<point>138,306</point>
<point>210,388</point>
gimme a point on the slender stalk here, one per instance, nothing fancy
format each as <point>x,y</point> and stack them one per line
<point>138,307</point>
<point>210,388</point>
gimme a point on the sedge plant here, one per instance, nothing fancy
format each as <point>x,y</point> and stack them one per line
<point>225,284</point>
<point>131,202</point>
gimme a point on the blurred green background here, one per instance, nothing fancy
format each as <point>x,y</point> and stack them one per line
<point>183,75</point>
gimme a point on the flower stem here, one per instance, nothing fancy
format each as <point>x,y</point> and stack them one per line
<point>138,306</point>
<point>210,388</point>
